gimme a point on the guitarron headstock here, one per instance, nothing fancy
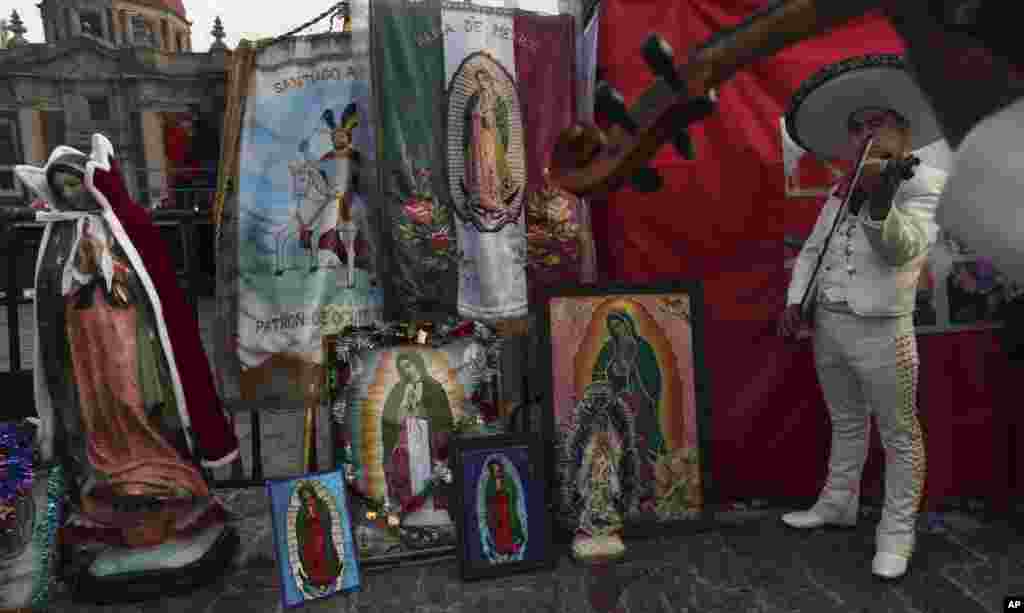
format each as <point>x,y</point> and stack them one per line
<point>589,161</point>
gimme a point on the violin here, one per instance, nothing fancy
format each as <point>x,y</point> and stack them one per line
<point>588,161</point>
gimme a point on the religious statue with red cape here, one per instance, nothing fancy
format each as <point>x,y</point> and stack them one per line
<point>124,392</point>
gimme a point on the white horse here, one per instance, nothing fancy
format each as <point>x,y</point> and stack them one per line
<point>314,213</point>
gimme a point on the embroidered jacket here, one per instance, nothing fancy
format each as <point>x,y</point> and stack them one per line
<point>883,258</point>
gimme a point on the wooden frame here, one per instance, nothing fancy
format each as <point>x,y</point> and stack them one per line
<point>484,548</point>
<point>672,315</point>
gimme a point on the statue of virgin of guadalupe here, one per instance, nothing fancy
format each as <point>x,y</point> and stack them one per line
<point>600,466</point>
<point>123,389</point>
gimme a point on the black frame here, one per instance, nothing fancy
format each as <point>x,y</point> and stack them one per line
<point>542,386</point>
<point>539,465</point>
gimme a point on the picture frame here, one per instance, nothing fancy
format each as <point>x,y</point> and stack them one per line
<point>313,542</point>
<point>656,410</point>
<point>396,459</point>
<point>503,520</point>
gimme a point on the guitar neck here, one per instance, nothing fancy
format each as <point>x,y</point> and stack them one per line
<point>779,25</point>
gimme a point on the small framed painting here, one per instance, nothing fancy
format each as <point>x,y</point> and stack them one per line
<point>622,370</point>
<point>502,520</point>
<point>313,537</point>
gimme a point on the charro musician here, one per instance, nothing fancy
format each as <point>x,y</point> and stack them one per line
<point>855,280</point>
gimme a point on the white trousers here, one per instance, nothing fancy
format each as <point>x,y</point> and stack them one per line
<point>869,365</point>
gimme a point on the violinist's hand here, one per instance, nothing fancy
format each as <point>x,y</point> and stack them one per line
<point>887,144</point>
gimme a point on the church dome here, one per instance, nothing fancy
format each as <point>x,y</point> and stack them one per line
<point>175,6</point>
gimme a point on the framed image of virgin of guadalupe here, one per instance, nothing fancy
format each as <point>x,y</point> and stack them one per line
<point>624,372</point>
<point>313,537</point>
<point>501,509</point>
<point>401,397</point>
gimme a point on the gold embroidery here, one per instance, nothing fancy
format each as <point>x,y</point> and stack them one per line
<point>907,363</point>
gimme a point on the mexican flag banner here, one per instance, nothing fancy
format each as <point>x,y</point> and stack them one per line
<point>468,113</point>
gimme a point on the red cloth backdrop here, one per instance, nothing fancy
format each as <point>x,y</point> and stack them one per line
<point>721,219</point>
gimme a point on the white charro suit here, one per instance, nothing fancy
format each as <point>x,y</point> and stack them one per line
<point>866,351</point>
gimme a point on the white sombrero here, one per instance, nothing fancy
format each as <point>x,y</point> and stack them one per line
<point>818,115</point>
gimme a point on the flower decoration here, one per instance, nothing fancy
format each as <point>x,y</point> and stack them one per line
<point>440,240</point>
<point>424,226</point>
<point>419,211</point>
<point>677,483</point>
<point>553,233</point>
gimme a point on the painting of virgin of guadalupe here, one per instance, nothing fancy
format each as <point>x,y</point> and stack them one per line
<point>501,515</point>
<point>313,536</point>
<point>319,563</point>
<point>486,160</point>
<point>626,363</point>
<point>486,138</point>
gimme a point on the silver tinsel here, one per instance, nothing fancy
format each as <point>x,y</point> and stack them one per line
<point>44,539</point>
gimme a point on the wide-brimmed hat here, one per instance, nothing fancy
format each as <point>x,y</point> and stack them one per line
<point>818,115</point>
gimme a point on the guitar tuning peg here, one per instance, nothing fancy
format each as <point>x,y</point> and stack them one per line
<point>646,180</point>
<point>660,58</point>
<point>610,103</point>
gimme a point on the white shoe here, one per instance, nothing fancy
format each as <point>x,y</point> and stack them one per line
<point>889,565</point>
<point>805,520</point>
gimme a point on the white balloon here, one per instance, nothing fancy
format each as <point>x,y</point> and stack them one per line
<point>983,203</point>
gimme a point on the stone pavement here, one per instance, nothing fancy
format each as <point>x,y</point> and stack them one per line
<point>748,563</point>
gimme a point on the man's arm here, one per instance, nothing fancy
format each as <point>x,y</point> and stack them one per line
<point>803,268</point>
<point>907,229</point>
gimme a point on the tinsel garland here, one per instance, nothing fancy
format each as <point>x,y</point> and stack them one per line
<point>44,539</point>
<point>15,461</point>
<point>16,448</point>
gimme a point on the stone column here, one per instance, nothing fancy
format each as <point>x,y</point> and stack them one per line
<point>108,33</point>
<point>128,33</point>
<point>75,21</point>
<point>153,149</point>
<point>30,126</point>
<point>162,35</point>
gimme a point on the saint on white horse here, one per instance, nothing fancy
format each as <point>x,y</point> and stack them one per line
<point>333,235</point>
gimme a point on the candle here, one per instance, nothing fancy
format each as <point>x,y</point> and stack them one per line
<point>345,206</point>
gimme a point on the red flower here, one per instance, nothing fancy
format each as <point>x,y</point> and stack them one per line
<point>420,211</point>
<point>463,329</point>
<point>488,409</point>
<point>439,241</point>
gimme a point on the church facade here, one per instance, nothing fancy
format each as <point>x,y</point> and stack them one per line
<point>122,68</point>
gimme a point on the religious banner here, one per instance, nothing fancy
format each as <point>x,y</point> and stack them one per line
<point>559,243</point>
<point>470,99</point>
<point>308,262</point>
